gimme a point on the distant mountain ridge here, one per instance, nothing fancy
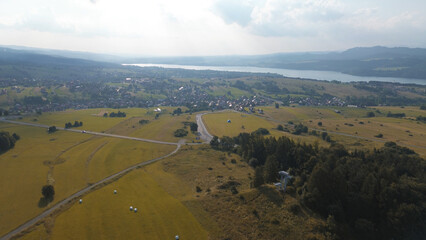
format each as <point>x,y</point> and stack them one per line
<point>361,61</point>
<point>375,61</point>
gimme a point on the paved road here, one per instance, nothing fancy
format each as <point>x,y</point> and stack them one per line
<point>83,191</point>
<point>202,130</point>
<point>89,132</point>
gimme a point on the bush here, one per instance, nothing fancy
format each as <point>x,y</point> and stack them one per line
<point>198,189</point>
<point>52,129</point>
<point>379,135</point>
<point>261,131</point>
<point>181,133</point>
<point>320,124</point>
<point>143,121</point>
<point>280,127</point>
<point>371,114</point>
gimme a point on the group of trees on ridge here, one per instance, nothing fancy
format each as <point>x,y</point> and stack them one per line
<point>379,194</point>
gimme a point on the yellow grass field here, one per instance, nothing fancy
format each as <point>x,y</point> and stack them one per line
<point>23,173</point>
<point>164,127</point>
<point>164,194</point>
<point>69,161</point>
<point>91,118</point>
<point>216,123</point>
<point>101,157</point>
<point>104,215</point>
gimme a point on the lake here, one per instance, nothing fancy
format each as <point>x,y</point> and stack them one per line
<point>309,74</point>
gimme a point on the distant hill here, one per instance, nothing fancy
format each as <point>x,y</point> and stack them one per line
<point>24,64</point>
<point>361,61</point>
<point>367,61</point>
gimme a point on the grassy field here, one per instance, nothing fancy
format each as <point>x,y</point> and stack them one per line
<point>168,204</point>
<point>69,161</point>
<point>23,172</point>
<point>164,127</point>
<point>93,120</point>
<point>185,194</point>
<point>104,215</point>
<point>353,121</point>
<point>216,123</point>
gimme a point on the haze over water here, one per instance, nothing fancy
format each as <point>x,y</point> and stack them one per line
<point>307,74</point>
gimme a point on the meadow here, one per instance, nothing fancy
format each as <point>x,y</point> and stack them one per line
<point>69,161</point>
<point>186,194</point>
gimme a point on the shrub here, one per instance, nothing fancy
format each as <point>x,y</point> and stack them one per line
<point>371,114</point>
<point>181,133</point>
<point>261,131</point>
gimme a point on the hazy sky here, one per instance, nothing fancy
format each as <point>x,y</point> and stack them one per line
<point>211,27</point>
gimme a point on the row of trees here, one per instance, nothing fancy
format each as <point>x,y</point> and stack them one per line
<point>114,114</point>
<point>376,194</point>
<point>7,141</point>
<point>76,124</point>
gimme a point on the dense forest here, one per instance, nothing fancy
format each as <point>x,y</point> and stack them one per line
<point>376,194</point>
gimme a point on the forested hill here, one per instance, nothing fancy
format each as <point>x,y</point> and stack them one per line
<point>18,64</point>
<point>368,61</point>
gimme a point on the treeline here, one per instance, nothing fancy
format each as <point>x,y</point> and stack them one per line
<point>395,115</point>
<point>7,141</point>
<point>114,114</point>
<point>76,124</point>
<point>376,194</point>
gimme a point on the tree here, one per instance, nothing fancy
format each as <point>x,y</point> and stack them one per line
<point>261,131</point>
<point>258,177</point>
<point>48,191</point>
<point>324,135</point>
<point>52,129</point>
<point>214,143</point>
<point>105,114</point>
<point>371,114</point>
<point>277,105</point>
<point>320,124</point>
<point>177,111</point>
<point>193,126</point>
<point>280,127</point>
<point>181,133</point>
<point>16,136</point>
<point>271,169</point>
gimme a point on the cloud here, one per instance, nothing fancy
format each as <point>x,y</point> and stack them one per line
<point>280,17</point>
<point>234,11</point>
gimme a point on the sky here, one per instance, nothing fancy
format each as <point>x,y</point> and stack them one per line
<point>211,27</point>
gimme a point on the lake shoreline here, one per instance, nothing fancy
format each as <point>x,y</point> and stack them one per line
<point>301,74</point>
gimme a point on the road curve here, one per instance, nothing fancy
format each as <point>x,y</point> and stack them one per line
<point>202,130</point>
<point>83,191</point>
<point>89,132</point>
